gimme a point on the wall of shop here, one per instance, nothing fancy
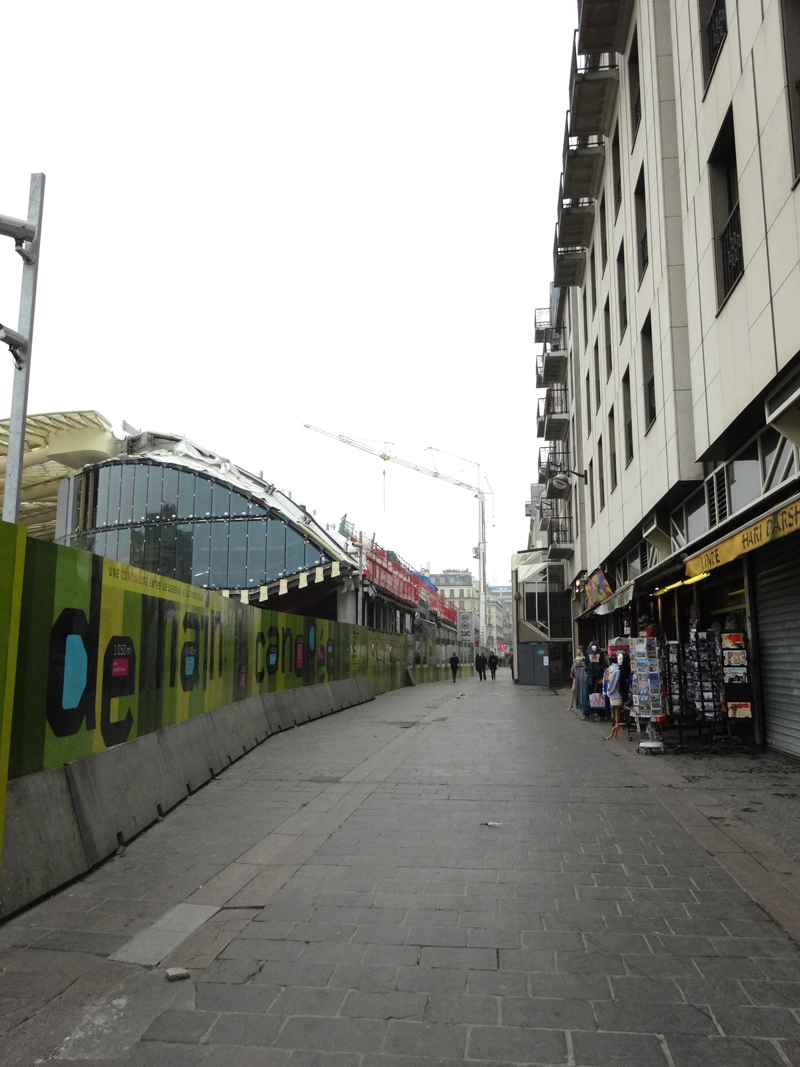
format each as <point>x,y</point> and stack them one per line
<point>110,657</point>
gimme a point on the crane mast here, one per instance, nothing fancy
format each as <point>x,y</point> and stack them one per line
<point>476,489</point>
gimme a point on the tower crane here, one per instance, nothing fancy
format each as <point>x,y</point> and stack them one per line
<point>476,489</point>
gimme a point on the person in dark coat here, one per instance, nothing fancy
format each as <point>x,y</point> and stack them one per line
<point>480,666</point>
<point>596,663</point>
<point>493,662</point>
<point>454,664</point>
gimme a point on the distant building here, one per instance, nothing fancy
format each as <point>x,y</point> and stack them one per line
<point>463,589</point>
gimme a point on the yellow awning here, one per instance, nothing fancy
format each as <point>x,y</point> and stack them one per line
<point>777,523</point>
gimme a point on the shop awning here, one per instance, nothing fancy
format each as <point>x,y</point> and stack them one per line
<point>779,522</point>
<point>620,599</point>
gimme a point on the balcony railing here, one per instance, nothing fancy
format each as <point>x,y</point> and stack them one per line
<point>557,401</point>
<point>716,32</point>
<point>560,530</point>
<point>540,372</point>
<point>554,461</point>
<point>731,253</point>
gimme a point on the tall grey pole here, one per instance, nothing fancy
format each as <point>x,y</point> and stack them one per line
<point>22,369</point>
<point>360,578</point>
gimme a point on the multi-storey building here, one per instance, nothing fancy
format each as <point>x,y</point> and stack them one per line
<point>462,588</point>
<point>671,348</point>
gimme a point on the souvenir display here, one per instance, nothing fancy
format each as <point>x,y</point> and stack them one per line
<point>648,705</point>
<point>703,694</point>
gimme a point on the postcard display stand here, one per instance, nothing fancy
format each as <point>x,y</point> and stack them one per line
<point>703,695</point>
<point>648,706</point>
<point>736,682</point>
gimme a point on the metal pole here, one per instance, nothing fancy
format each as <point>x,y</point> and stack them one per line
<point>360,578</point>
<point>19,396</point>
<point>482,566</point>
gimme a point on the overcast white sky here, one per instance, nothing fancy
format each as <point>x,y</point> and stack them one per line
<point>264,214</point>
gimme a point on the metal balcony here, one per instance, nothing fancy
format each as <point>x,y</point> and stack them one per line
<point>556,414</point>
<point>569,264</point>
<point>584,162</point>
<point>593,91</point>
<point>540,416</point>
<point>544,455</point>
<point>553,368</point>
<point>556,464</point>
<point>546,513</point>
<point>541,325</point>
<point>560,537</point>
<point>603,25</point>
<point>575,221</point>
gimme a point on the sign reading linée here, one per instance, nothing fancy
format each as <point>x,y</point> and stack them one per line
<point>782,521</point>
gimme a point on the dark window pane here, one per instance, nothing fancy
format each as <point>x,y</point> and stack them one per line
<point>696,515</point>
<point>166,564</point>
<point>137,545</point>
<point>256,551</point>
<point>313,556</point>
<point>276,549</point>
<point>124,546</point>
<point>219,555</point>
<point>238,504</point>
<point>126,495</point>
<point>154,485</point>
<point>99,544</point>
<point>114,481</point>
<point>186,495</point>
<point>202,497</point>
<point>102,497</point>
<point>237,555</point>
<point>744,478</point>
<point>201,546</point>
<point>152,542</point>
<point>111,545</point>
<point>78,490</point>
<point>256,509</point>
<point>140,492</point>
<point>86,542</point>
<point>295,551</point>
<point>220,502</point>
<point>169,494</point>
<point>183,552</point>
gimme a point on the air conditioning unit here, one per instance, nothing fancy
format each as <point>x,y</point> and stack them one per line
<point>655,530</point>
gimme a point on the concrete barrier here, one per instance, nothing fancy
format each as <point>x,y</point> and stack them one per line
<point>43,847</point>
<point>60,823</point>
<point>192,748</point>
<point>121,791</point>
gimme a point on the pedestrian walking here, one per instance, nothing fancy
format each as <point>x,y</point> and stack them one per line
<point>454,664</point>
<point>480,665</point>
<point>493,662</point>
<point>511,665</point>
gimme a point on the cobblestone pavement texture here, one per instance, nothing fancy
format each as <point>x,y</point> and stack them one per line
<point>450,874</point>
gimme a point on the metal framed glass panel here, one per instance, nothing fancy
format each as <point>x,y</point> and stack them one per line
<point>201,553</point>
<point>155,482</point>
<point>114,487</point>
<point>744,478</point>
<point>186,495</point>
<point>218,577</point>
<point>202,497</point>
<point>99,548</point>
<point>220,502</point>
<point>140,492</point>
<point>126,492</point>
<point>169,494</point>
<point>137,546</point>
<point>111,544</point>
<point>239,504</point>
<point>166,564</point>
<point>183,551</point>
<point>276,549</point>
<point>152,548</point>
<point>255,509</point>
<point>102,497</point>
<point>256,551</point>
<point>124,546</point>
<point>295,551</point>
<point>237,555</point>
<point>313,556</point>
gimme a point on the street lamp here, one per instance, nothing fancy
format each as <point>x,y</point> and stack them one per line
<point>26,235</point>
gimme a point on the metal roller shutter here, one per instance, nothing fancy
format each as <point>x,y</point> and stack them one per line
<point>777,572</point>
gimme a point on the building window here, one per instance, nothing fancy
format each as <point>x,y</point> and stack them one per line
<point>640,209</point>
<point>616,171</point>
<point>622,292</point>
<point>601,481</point>
<point>585,322</point>
<point>607,339</point>
<point>461,594</point>
<point>588,405</point>
<point>714,30</point>
<point>634,88</point>
<point>626,415</point>
<point>593,279</point>
<point>791,50</point>
<point>603,236</point>
<point>648,375</point>
<point>724,181</point>
<point>596,376</point>
<point>612,448</point>
<point>591,491</point>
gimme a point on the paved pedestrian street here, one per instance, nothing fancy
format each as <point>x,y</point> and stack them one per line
<point>450,874</point>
